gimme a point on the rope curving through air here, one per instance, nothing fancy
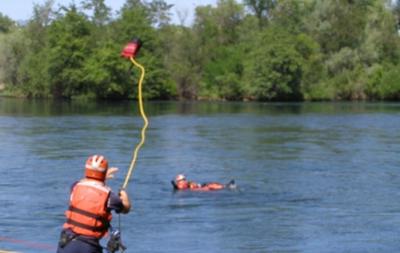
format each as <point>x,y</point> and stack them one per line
<point>145,125</point>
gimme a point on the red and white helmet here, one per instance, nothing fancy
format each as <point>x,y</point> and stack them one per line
<point>96,167</point>
<point>180,177</point>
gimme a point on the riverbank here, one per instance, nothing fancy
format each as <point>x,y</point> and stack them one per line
<point>15,93</point>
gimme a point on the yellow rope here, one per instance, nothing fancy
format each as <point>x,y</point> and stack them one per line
<point>146,123</point>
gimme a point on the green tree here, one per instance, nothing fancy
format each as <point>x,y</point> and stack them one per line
<point>396,11</point>
<point>181,60</point>
<point>6,24</point>
<point>217,31</point>
<point>160,12</point>
<point>13,47</point>
<point>106,75</point>
<point>261,8</point>
<point>223,75</point>
<point>69,46</point>
<point>33,75</point>
<point>338,24</point>
<point>273,69</point>
<point>277,50</point>
<point>291,15</point>
<point>381,41</point>
<point>136,21</point>
<point>101,13</point>
<point>10,49</point>
<point>383,82</point>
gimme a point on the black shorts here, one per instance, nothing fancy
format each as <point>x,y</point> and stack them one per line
<point>80,244</point>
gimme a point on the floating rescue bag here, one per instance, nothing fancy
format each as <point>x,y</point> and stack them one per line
<point>131,49</point>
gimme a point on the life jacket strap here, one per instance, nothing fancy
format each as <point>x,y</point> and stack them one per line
<point>84,226</point>
<point>105,223</point>
<point>85,213</point>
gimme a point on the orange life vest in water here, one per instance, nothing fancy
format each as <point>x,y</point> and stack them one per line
<point>189,185</point>
<point>184,185</point>
<point>87,213</point>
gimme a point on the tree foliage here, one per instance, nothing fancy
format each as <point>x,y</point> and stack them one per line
<point>6,23</point>
<point>268,50</point>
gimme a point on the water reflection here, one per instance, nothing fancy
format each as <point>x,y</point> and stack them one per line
<point>23,107</point>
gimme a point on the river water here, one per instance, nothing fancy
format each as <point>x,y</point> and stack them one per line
<point>312,177</point>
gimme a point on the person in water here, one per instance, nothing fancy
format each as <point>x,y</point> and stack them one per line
<point>89,214</point>
<point>181,183</point>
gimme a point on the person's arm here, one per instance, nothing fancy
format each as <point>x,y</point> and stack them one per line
<point>125,201</point>
<point>115,202</point>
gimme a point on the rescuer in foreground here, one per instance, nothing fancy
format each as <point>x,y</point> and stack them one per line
<point>89,214</point>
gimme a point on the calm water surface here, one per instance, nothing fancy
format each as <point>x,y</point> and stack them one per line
<point>318,177</point>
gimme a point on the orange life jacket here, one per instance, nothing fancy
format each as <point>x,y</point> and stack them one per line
<point>87,213</point>
<point>184,185</point>
<point>215,186</point>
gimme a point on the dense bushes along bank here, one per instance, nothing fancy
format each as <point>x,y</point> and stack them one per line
<point>264,50</point>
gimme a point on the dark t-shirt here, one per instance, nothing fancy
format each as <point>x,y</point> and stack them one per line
<point>115,203</point>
